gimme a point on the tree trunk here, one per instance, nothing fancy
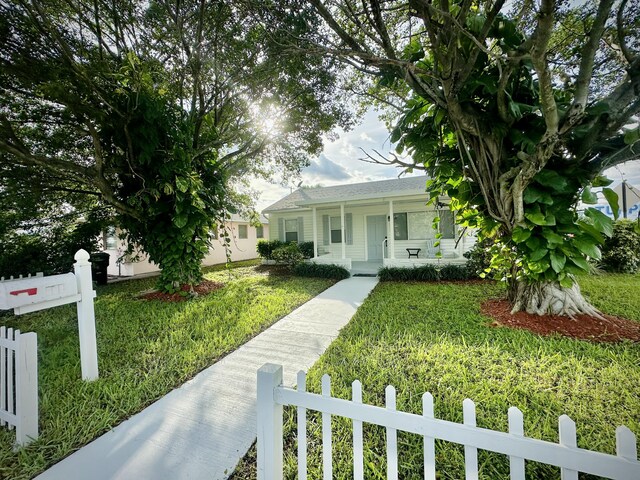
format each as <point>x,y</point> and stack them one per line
<point>549,298</point>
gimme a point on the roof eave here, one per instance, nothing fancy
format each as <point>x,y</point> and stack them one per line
<point>415,193</point>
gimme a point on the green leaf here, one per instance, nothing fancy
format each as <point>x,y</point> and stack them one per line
<point>580,262</point>
<point>534,243</point>
<point>182,184</point>
<point>589,197</point>
<point>566,282</point>
<point>520,234</point>
<point>612,198</point>
<point>395,135</point>
<point>180,221</point>
<point>591,230</point>
<point>551,179</point>
<point>601,181</point>
<point>600,221</point>
<point>632,136</point>
<point>552,237</point>
<point>539,267</point>
<point>535,195</point>
<point>538,255</point>
<point>536,218</point>
<point>588,248</point>
<point>541,219</point>
<point>557,261</point>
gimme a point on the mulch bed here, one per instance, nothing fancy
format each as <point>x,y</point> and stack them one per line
<point>205,288</point>
<point>583,327</point>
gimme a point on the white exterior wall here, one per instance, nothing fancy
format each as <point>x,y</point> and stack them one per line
<point>358,250</point>
<point>241,249</point>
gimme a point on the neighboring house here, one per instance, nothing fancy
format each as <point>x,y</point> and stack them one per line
<point>244,239</point>
<point>350,225</point>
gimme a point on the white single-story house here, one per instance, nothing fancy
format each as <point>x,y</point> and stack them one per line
<point>244,239</point>
<point>351,225</point>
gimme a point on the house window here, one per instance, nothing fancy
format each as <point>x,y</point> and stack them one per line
<point>110,239</point>
<point>400,226</point>
<point>336,230</point>
<point>260,232</point>
<point>242,232</point>
<point>420,225</point>
<point>291,230</point>
<point>447,224</point>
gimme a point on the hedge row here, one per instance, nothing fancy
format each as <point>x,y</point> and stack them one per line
<point>426,273</point>
<point>317,270</point>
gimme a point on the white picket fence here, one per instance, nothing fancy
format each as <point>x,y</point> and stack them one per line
<point>19,383</point>
<point>519,448</point>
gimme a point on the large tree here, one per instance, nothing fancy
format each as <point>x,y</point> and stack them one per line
<point>156,108</point>
<point>513,109</point>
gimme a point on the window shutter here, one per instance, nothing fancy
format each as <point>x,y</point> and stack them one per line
<point>348,226</point>
<point>325,229</point>
<point>300,229</point>
<point>281,229</point>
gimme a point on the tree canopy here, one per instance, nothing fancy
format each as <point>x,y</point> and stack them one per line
<point>156,109</point>
<point>513,110</point>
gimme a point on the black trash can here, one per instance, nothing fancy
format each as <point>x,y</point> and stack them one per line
<point>99,266</point>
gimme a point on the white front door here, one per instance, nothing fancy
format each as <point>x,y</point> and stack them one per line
<point>376,233</point>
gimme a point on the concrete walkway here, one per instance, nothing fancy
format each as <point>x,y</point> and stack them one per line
<point>202,429</point>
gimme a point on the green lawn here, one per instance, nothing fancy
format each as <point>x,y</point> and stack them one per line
<point>145,349</point>
<point>431,337</point>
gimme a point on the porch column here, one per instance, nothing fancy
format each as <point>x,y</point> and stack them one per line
<point>391,233</point>
<point>342,233</point>
<point>315,234</point>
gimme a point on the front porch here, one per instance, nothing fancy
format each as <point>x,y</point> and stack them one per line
<point>359,236</point>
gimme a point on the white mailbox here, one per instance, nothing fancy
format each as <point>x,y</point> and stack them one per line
<point>31,294</point>
<point>23,292</point>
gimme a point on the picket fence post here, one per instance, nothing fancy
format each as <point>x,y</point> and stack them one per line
<point>27,388</point>
<point>86,316</point>
<point>270,441</point>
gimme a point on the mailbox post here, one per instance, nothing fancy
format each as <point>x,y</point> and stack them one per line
<point>25,295</point>
<point>86,316</point>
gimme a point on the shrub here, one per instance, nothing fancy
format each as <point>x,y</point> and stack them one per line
<point>456,272</point>
<point>425,273</point>
<point>307,269</point>
<point>265,248</point>
<point>307,249</point>
<point>621,252</point>
<point>288,254</point>
<point>479,258</point>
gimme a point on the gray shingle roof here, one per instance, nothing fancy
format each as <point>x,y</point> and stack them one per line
<point>237,218</point>
<point>356,191</point>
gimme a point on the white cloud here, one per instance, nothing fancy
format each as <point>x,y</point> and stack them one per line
<point>323,169</point>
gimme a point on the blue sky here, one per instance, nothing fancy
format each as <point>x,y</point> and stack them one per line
<point>339,163</point>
